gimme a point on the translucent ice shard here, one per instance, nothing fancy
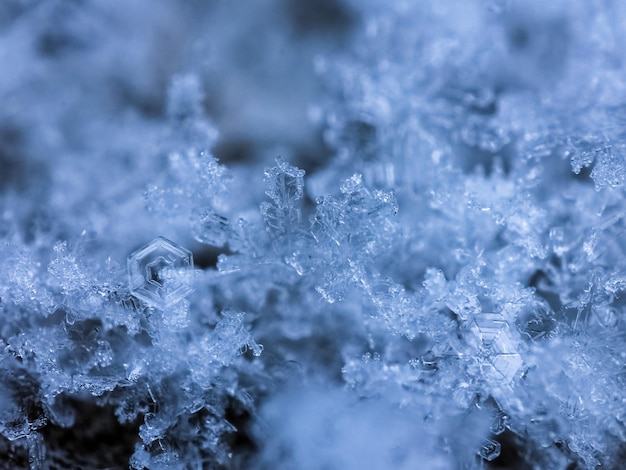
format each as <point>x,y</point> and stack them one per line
<point>488,326</point>
<point>493,331</point>
<point>160,273</point>
<point>209,228</point>
<point>507,365</point>
<point>498,426</point>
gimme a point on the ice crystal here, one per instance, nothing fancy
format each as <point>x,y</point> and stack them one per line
<point>160,273</point>
<point>209,227</point>
<point>284,186</point>
<point>489,450</point>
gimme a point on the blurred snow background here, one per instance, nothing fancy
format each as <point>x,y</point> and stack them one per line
<point>406,218</point>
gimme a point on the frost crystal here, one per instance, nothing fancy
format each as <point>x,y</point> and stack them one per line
<point>209,227</point>
<point>493,332</point>
<point>284,186</point>
<point>161,273</point>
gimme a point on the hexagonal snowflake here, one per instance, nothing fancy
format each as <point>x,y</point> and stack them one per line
<point>160,273</point>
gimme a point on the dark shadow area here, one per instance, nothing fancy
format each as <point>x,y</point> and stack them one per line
<point>320,17</point>
<point>96,440</point>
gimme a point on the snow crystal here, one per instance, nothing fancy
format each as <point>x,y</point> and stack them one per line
<point>490,450</point>
<point>160,273</point>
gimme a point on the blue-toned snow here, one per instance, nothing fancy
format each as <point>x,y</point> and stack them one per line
<point>338,235</point>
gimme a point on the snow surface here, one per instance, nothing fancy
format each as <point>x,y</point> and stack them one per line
<point>316,235</point>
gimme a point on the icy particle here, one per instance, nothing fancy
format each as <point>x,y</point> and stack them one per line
<point>209,227</point>
<point>160,273</point>
<point>284,184</point>
<point>489,450</point>
<point>494,333</point>
<point>507,365</point>
<point>488,326</point>
<point>498,426</point>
